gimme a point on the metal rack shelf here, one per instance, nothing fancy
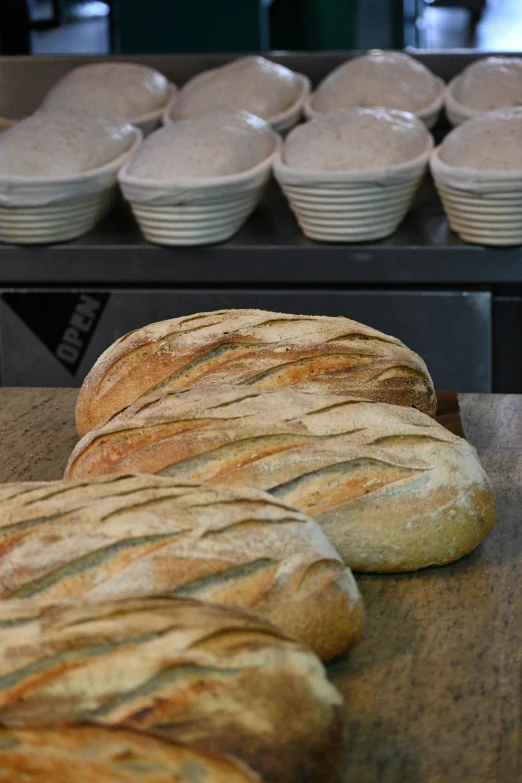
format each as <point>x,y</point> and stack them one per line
<point>458,305</point>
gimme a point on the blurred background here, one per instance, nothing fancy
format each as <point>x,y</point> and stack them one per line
<point>148,26</point>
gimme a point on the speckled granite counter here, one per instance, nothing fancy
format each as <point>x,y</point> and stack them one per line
<point>434,690</point>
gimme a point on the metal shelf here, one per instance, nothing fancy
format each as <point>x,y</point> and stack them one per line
<point>270,250</point>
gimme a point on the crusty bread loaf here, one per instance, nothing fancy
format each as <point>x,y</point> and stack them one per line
<point>86,754</point>
<point>393,490</point>
<point>216,680</point>
<point>139,535</point>
<point>255,349</point>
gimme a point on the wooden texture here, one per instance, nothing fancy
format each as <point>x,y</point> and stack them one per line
<point>448,412</point>
<point>433,691</point>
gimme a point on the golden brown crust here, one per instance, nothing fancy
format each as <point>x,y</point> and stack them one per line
<point>255,349</point>
<point>147,534</point>
<point>86,754</point>
<point>393,489</point>
<point>218,681</point>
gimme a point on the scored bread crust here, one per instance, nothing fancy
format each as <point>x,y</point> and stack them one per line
<point>122,535</point>
<point>393,489</point>
<point>255,349</point>
<point>216,680</point>
<point>104,755</point>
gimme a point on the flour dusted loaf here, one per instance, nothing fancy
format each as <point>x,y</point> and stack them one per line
<point>392,488</point>
<point>146,534</point>
<point>255,349</point>
<point>218,681</point>
<point>101,755</point>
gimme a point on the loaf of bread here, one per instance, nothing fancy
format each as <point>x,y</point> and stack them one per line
<point>215,680</point>
<point>88,754</point>
<point>255,349</point>
<point>139,535</point>
<point>393,489</point>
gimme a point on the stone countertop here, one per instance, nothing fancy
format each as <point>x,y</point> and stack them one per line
<point>434,690</point>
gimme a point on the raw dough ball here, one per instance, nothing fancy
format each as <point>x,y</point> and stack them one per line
<point>209,145</point>
<point>351,139</point>
<point>116,91</point>
<point>390,79</point>
<point>57,144</point>
<point>490,83</point>
<point>251,83</point>
<point>489,141</point>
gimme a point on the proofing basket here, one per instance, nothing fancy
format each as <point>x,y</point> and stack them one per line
<point>46,210</point>
<point>196,211</point>
<point>351,206</point>
<point>482,207</point>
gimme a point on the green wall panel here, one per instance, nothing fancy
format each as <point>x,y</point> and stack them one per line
<point>156,26</point>
<point>234,25</point>
<point>312,24</point>
<point>329,24</point>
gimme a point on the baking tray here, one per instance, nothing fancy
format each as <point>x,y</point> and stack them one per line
<point>270,249</point>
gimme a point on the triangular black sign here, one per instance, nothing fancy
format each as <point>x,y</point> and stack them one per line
<point>64,322</point>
